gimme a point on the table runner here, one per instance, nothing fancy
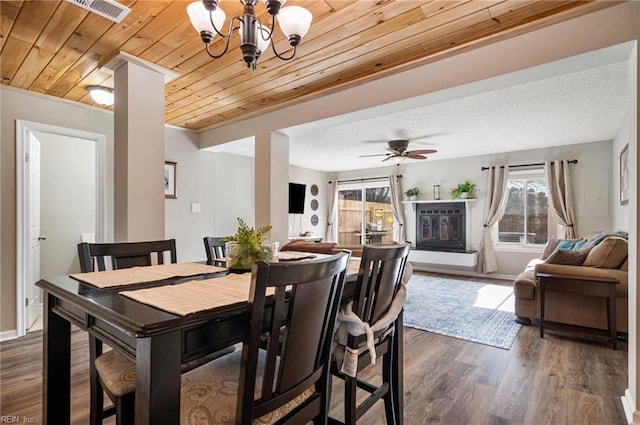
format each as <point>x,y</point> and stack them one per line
<point>196,295</point>
<point>133,275</point>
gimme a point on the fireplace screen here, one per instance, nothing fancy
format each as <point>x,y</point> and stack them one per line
<point>441,226</point>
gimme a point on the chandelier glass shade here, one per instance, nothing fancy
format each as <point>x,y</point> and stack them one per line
<point>208,19</point>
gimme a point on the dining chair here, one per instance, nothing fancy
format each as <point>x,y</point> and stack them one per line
<point>293,307</point>
<point>113,256</point>
<point>368,329</point>
<point>215,249</point>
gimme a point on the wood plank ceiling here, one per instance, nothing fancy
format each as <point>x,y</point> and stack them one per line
<point>57,48</point>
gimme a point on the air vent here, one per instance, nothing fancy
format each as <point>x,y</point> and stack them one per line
<point>106,8</point>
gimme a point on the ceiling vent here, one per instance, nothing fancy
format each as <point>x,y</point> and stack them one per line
<point>106,8</point>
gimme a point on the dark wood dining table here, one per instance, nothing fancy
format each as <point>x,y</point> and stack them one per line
<point>159,342</point>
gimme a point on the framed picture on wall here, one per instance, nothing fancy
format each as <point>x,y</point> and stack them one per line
<point>170,179</point>
<point>624,175</point>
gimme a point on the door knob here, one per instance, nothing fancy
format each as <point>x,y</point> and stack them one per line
<point>42,238</point>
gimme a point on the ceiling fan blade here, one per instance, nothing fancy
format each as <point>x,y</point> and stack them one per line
<point>414,155</point>
<point>422,151</point>
<point>389,157</point>
<point>376,154</point>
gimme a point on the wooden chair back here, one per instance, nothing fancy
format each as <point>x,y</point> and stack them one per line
<point>300,323</point>
<point>124,254</point>
<point>215,248</point>
<point>379,277</point>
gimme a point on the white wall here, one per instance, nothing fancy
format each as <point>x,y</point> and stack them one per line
<point>594,162</point>
<point>300,223</point>
<point>19,104</point>
<point>195,184</point>
<point>234,189</point>
<point>67,200</point>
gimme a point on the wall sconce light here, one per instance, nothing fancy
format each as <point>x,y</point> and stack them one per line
<point>101,95</point>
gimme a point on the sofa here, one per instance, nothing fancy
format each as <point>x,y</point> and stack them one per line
<point>321,247</point>
<point>599,257</point>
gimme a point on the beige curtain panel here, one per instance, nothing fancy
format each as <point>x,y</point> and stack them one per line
<point>496,201</point>
<point>331,213</point>
<point>397,208</point>
<point>561,197</point>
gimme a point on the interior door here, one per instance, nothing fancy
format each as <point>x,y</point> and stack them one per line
<point>32,292</point>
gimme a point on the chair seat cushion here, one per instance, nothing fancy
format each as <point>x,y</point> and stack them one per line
<point>209,393</point>
<point>118,373</point>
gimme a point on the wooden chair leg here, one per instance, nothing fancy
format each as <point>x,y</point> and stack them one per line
<point>125,409</point>
<point>388,398</point>
<point>96,394</point>
<point>350,388</point>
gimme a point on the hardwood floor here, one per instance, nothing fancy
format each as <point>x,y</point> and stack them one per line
<point>556,380</point>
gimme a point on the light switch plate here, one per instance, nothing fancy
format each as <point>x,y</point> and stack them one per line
<point>196,207</point>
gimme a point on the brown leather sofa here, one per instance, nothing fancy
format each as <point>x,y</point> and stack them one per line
<point>600,260</point>
<point>321,247</point>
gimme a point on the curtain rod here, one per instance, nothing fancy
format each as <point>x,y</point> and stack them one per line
<point>572,161</point>
<point>370,179</point>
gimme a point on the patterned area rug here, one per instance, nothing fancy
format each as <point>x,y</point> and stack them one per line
<point>473,311</point>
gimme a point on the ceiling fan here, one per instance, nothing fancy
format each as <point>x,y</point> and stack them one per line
<point>398,150</point>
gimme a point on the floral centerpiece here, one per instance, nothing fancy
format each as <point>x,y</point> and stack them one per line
<point>248,246</point>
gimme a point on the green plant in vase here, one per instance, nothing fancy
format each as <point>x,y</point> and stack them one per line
<point>248,246</point>
<point>412,193</point>
<point>463,190</point>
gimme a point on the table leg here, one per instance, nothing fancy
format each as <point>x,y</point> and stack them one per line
<point>612,316</point>
<point>56,366</point>
<point>541,291</point>
<point>158,379</point>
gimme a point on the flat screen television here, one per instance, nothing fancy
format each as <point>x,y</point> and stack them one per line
<point>296,198</point>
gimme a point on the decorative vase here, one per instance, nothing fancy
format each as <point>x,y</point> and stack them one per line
<point>464,195</point>
<point>240,256</point>
<point>411,198</point>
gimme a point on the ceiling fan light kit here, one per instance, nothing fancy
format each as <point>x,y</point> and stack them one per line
<point>208,19</point>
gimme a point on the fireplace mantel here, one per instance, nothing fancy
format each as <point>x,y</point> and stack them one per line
<point>433,201</point>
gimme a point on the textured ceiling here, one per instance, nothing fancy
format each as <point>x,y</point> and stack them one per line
<point>586,104</point>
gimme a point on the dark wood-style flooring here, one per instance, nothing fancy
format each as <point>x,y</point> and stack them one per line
<point>556,380</point>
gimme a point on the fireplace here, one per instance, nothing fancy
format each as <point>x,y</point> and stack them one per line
<point>441,226</point>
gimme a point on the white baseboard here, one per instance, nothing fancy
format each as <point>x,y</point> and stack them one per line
<point>629,405</point>
<point>425,268</point>
<point>8,335</point>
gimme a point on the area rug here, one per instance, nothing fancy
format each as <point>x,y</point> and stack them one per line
<point>473,311</point>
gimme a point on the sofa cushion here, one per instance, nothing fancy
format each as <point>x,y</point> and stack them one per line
<point>608,254</point>
<point>568,257</point>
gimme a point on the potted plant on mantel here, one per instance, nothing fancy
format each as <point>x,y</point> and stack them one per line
<point>248,246</point>
<point>463,190</point>
<point>412,193</point>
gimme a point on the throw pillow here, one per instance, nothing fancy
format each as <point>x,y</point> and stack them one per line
<point>570,245</point>
<point>568,257</point>
<point>550,247</point>
<point>608,254</point>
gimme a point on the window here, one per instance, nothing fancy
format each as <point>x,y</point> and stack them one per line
<point>364,222</point>
<point>526,220</point>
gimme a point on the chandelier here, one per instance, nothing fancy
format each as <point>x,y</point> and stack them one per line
<point>207,18</point>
